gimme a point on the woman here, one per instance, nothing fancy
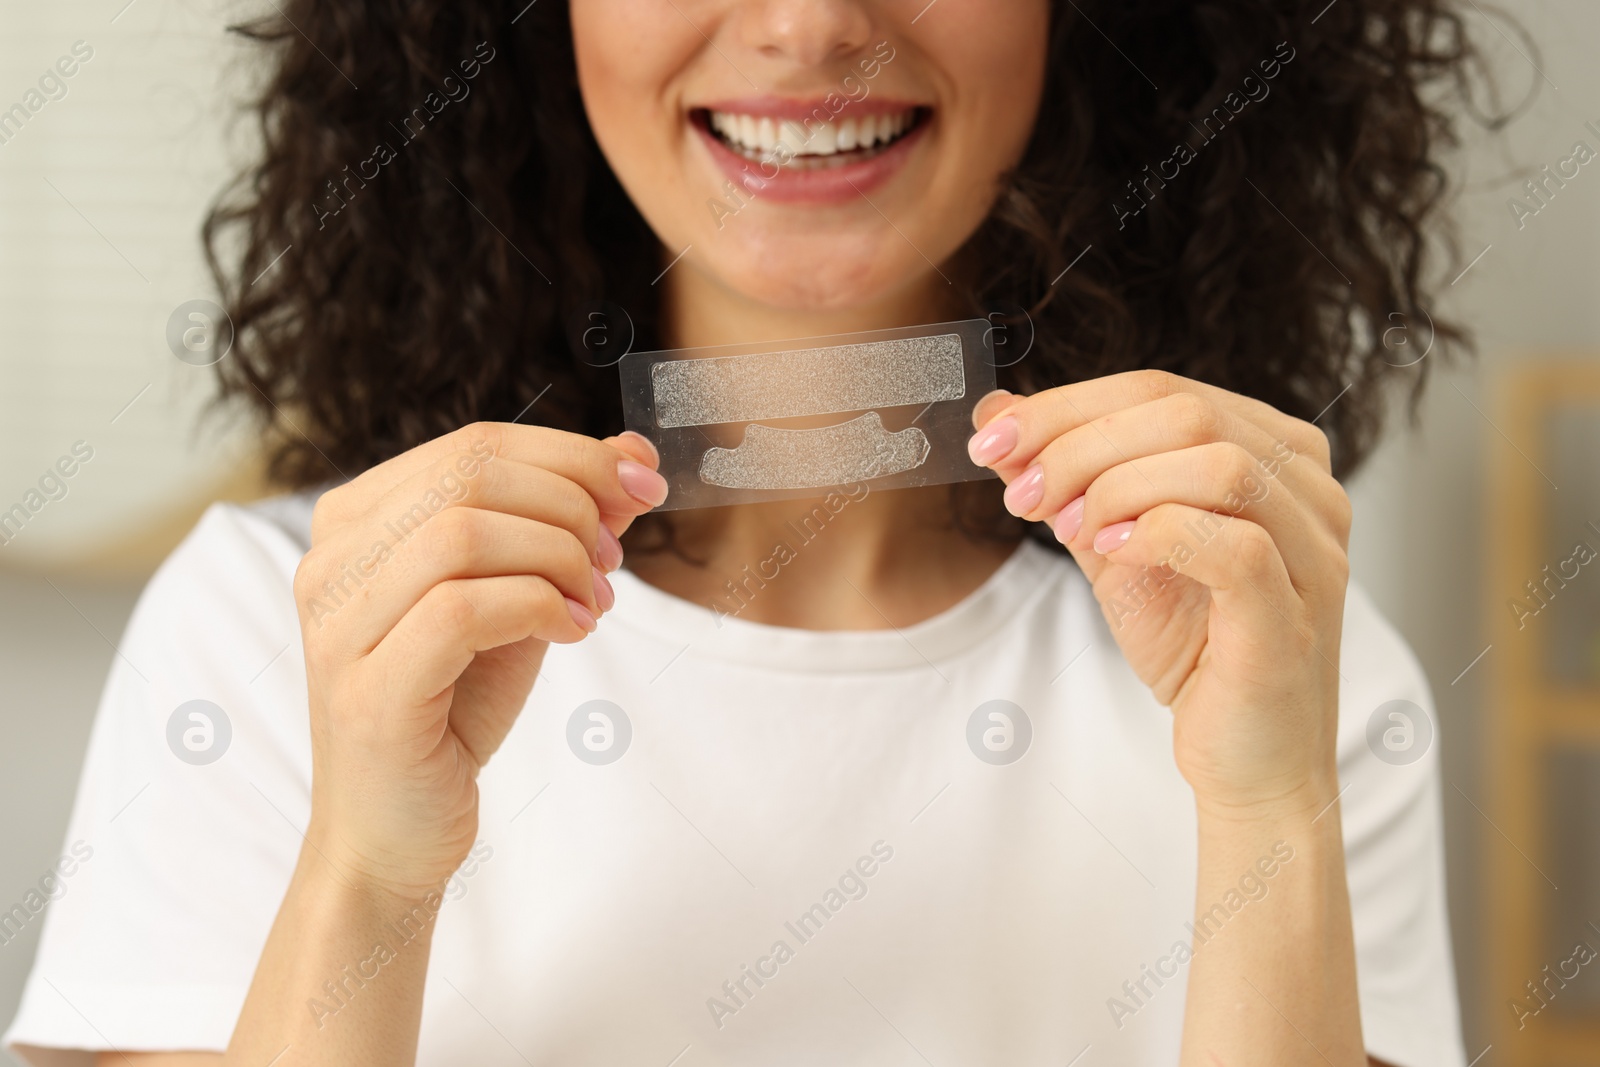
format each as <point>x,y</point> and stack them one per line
<point>758,834</point>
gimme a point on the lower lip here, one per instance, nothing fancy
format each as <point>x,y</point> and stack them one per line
<point>822,185</point>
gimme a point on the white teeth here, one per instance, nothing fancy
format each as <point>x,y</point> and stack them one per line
<point>847,135</point>
<point>763,134</point>
<point>793,136</point>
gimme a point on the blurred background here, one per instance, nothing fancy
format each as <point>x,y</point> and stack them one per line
<point>1473,530</point>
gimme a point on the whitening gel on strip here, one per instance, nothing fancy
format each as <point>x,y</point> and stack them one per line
<point>782,419</point>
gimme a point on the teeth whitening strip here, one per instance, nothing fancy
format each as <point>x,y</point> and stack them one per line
<point>770,458</point>
<point>808,381</point>
<point>891,408</point>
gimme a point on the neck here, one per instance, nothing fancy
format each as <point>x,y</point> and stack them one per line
<point>855,558</point>
<point>698,311</point>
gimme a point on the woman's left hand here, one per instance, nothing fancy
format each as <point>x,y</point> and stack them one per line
<point>1215,537</point>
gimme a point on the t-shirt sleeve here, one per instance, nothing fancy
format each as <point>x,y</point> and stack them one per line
<point>1394,845</point>
<point>187,819</point>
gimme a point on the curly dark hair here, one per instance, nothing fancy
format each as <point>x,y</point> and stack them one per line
<point>372,315</point>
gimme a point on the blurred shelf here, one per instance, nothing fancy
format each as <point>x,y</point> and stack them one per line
<point>1543,715</point>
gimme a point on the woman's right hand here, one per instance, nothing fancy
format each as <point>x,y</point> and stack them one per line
<point>434,584</point>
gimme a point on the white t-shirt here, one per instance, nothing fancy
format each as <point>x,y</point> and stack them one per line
<point>812,847</point>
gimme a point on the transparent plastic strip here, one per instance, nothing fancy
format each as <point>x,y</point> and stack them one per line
<point>884,408</point>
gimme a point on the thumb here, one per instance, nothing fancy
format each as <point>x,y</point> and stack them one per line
<point>640,449</point>
<point>637,447</point>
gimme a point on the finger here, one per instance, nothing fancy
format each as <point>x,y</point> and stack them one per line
<point>620,484</point>
<point>1016,432</point>
<point>1064,468</point>
<point>644,451</point>
<point>503,485</point>
<point>436,640</point>
<point>637,445</point>
<point>991,404</point>
<point>1221,480</point>
<point>363,601</point>
<point>1235,558</point>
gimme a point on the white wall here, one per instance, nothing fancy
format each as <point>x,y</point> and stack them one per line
<point>103,190</point>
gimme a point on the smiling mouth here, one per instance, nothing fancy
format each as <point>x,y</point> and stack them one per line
<point>807,144</point>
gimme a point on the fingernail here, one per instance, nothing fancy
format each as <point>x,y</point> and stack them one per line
<point>1070,521</point>
<point>608,548</point>
<point>1113,537</point>
<point>1026,493</point>
<point>995,443</point>
<point>581,615</point>
<point>651,445</point>
<point>604,595</point>
<point>641,483</point>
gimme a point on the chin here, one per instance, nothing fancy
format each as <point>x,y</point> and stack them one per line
<point>833,274</point>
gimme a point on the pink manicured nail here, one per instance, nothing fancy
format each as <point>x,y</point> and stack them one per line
<point>604,595</point>
<point>1027,492</point>
<point>995,443</point>
<point>608,548</point>
<point>1070,521</point>
<point>641,483</point>
<point>1113,537</point>
<point>581,615</point>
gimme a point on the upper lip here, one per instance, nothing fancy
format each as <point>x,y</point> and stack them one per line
<point>779,107</point>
